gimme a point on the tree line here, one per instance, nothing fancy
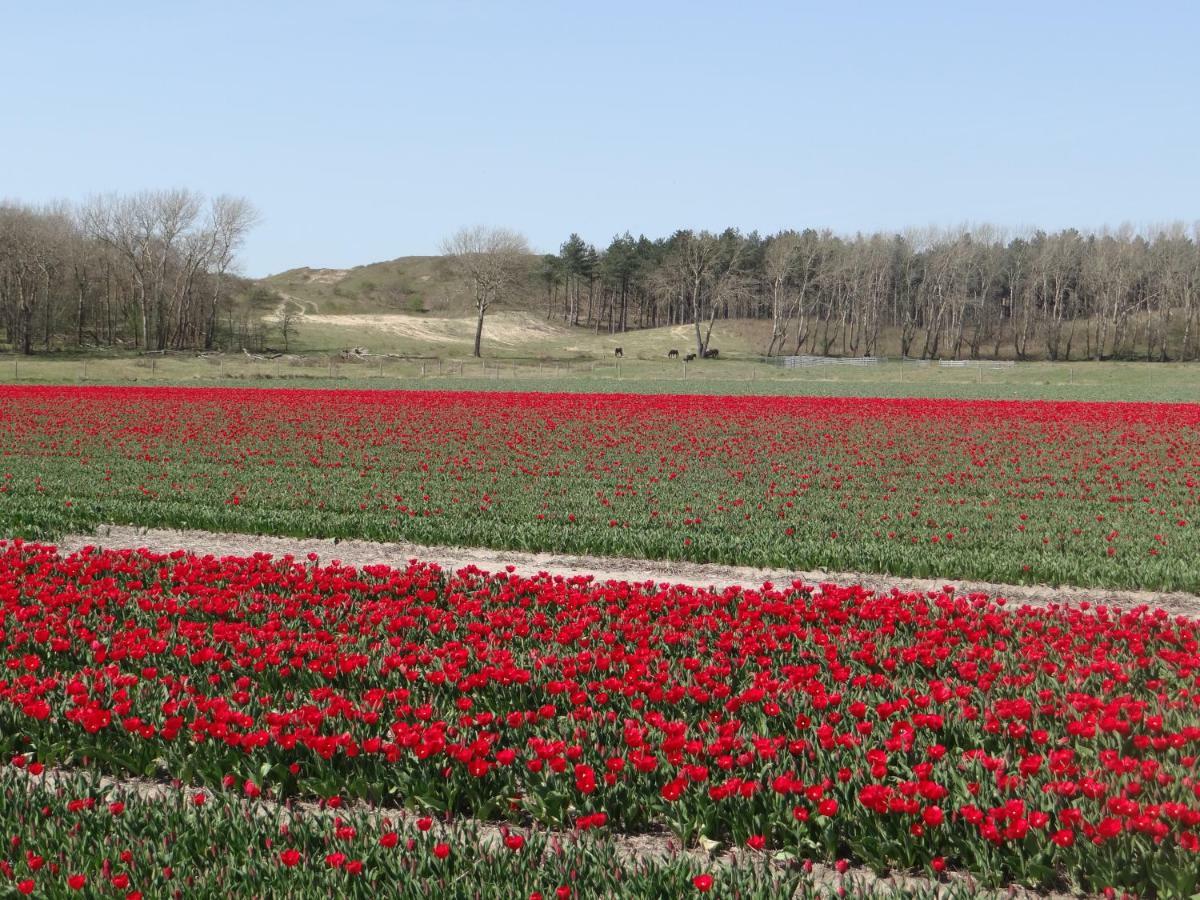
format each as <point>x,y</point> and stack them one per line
<point>156,271</point>
<point>933,293</point>
<point>149,271</point>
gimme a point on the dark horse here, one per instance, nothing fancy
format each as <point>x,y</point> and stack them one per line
<point>711,354</point>
<point>672,354</point>
<point>618,352</point>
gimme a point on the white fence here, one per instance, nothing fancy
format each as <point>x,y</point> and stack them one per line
<point>804,362</point>
<point>976,363</point>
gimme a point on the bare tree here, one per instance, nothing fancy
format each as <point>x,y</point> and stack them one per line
<point>288,317</point>
<point>492,260</point>
<point>701,277</point>
<point>230,218</point>
<point>176,262</point>
<point>143,229</point>
<point>780,264</point>
<point>1057,267</point>
<point>22,233</point>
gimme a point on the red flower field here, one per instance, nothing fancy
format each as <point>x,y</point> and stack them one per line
<point>1043,745</point>
<point>1009,492</point>
<point>935,732</point>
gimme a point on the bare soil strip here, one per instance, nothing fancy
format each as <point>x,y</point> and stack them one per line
<point>363,553</point>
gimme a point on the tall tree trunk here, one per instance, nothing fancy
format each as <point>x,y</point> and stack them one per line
<point>479,328</point>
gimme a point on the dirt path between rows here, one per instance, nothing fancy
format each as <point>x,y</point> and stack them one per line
<point>362,553</point>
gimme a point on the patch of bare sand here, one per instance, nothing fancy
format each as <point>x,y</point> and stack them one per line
<point>499,328</point>
<point>326,276</point>
<point>433,330</point>
<point>363,553</point>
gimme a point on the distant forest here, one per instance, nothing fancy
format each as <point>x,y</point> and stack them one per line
<point>934,293</point>
<point>147,271</point>
<point>155,271</point>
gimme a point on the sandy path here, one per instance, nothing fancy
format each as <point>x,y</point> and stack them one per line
<point>361,553</point>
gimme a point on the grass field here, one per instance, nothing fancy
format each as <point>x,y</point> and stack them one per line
<point>1151,382</point>
<point>372,307</point>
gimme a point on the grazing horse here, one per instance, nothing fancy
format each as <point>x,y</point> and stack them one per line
<point>618,352</point>
<point>689,357</point>
<point>672,354</point>
<point>711,354</point>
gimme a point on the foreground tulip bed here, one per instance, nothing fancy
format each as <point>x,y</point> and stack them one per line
<point>1089,494</point>
<point>932,733</point>
<point>73,837</point>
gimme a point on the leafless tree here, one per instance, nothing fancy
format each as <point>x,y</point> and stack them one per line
<point>493,261</point>
<point>229,221</point>
<point>177,261</point>
<point>780,264</point>
<point>21,234</point>
<point>288,317</point>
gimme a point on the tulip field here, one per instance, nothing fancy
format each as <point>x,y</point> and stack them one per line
<point>1088,494</point>
<point>1047,746</point>
<point>178,724</point>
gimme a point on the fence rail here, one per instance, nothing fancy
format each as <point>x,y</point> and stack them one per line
<point>803,362</point>
<point>976,363</point>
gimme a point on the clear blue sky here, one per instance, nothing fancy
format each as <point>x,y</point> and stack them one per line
<point>365,131</point>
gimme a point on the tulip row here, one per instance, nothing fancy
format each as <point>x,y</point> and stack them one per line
<point>1007,492</point>
<point>905,731</point>
<point>69,837</point>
